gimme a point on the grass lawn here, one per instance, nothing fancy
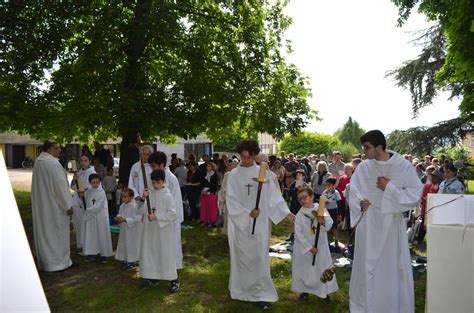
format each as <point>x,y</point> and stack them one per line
<point>95,287</point>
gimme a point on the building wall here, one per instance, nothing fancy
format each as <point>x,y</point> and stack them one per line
<point>267,144</point>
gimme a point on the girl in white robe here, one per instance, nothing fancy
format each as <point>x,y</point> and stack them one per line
<point>306,277</point>
<point>157,251</point>
<point>129,216</point>
<point>97,238</point>
<point>77,202</point>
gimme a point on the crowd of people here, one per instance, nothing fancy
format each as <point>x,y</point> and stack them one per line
<point>368,193</point>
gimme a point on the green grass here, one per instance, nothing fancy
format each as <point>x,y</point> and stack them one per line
<point>204,280</point>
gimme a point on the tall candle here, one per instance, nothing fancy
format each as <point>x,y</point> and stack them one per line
<point>262,173</point>
<point>80,182</point>
<point>73,166</point>
<point>322,205</point>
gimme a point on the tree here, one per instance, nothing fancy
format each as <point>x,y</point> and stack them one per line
<point>350,132</point>
<point>89,70</point>
<point>447,58</point>
<point>307,142</point>
<point>424,140</point>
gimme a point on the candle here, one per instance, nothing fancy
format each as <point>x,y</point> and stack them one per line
<point>80,182</point>
<point>73,166</point>
<point>262,173</point>
<point>322,205</point>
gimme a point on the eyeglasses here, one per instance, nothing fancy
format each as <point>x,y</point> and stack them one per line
<point>302,198</point>
<point>366,148</point>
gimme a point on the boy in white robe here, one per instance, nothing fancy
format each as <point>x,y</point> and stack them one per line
<point>158,161</point>
<point>128,248</point>
<point>382,188</point>
<point>250,278</point>
<point>97,238</point>
<point>157,251</point>
<point>77,201</point>
<point>305,276</point>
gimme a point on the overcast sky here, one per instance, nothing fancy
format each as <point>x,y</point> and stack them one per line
<point>345,48</point>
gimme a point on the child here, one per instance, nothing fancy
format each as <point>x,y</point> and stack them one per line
<point>78,204</point>
<point>333,204</point>
<point>157,250</point>
<point>128,247</point>
<point>110,187</point>
<point>97,239</point>
<point>293,191</point>
<point>305,276</point>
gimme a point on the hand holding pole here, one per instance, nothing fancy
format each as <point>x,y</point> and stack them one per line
<point>260,180</point>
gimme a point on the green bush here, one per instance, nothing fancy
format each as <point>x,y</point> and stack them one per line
<point>307,142</point>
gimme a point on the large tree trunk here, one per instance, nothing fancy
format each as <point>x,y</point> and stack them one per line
<point>129,154</point>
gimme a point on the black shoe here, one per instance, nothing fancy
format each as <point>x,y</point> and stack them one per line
<point>90,258</point>
<point>103,260</point>
<point>327,299</point>
<point>148,282</point>
<point>303,297</point>
<point>265,306</point>
<point>174,288</point>
<point>127,266</point>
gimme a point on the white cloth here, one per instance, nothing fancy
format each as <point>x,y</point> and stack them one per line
<point>128,248</point>
<point>97,238</point>
<point>305,276</point>
<point>173,185</point>
<point>50,199</point>
<point>221,194</point>
<point>157,251</point>
<point>382,279</point>
<point>250,278</point>
<point>78,204</point>
<point>135,181</point>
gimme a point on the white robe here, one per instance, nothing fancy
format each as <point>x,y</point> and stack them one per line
<point>382,278</point>
<point>135,183</point>
<point>78,204</point>
<point>221,195</point>
<point>250,278</point>
<point>305,276</point>
<point>173,185</point>
<point>157,251</point>
<point>128,248</point>
<point>97,238</point>
<point>50,199</point>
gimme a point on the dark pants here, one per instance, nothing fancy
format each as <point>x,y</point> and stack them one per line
<point>193,198</point>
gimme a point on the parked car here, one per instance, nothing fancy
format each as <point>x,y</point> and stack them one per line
<point>116,166</point>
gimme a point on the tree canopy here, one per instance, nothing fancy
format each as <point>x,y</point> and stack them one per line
<point>350,132</point>
<point>308,142</point>
<point>92,70</point>
<point>447,58</point>
<point>423,141</point>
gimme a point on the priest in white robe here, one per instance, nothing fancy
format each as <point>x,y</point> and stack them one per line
<point>135,181</point>
<point>382,188</point>
<point>158,161</point>
<point>250,278</point>
<point>51,205</point>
